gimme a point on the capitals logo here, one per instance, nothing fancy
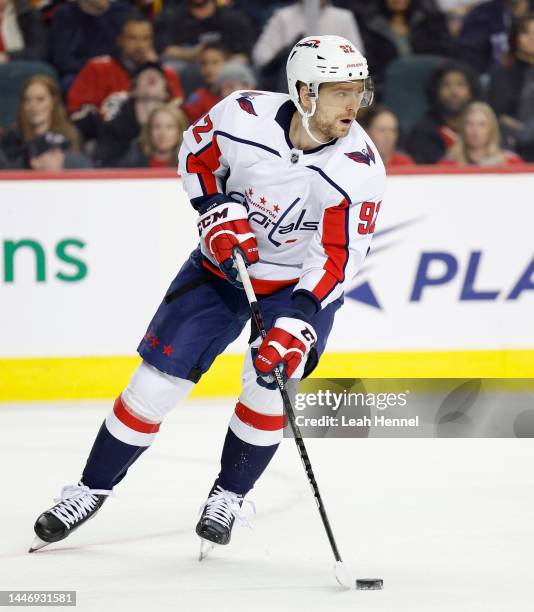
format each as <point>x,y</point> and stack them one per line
<point>311,43</point>
<point>366,156</point>
<point>245,101</point>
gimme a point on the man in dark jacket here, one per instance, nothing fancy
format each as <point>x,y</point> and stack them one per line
<point>452,87</point>
<point>396,29</point>
<point>483,39</point>
<point>84,29</point>
<point>181,31</point>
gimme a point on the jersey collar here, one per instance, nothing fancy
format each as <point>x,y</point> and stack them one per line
<point>283,118</point>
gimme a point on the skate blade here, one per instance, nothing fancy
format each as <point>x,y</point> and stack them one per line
<point>205,548</point>
<point>37,544</point>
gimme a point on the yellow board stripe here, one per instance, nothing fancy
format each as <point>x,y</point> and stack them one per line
<point>104,377</point>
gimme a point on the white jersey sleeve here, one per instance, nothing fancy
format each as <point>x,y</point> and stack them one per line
<point>201,162</point>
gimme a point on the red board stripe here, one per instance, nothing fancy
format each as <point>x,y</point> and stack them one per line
<point>335,243</point>
<point>131,421</point>
<point>267,422</point>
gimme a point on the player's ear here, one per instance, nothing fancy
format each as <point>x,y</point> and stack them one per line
<point>304,96</point>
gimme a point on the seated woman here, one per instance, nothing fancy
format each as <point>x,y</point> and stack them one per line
<point>160,140</point>
<point>382,125</point>
<point>479,140</point>
<point>40,111</point>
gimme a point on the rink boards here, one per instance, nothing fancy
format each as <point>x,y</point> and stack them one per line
<point>447,289</point>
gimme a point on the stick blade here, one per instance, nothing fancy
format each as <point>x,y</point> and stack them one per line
<point>343,575</point>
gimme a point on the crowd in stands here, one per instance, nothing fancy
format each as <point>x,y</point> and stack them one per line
<point>114,83</point>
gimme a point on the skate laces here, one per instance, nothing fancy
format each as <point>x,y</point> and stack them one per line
<point>223,506</point>
<point>75,502</point>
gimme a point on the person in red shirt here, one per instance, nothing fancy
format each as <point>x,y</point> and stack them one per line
<point>382,125</point>
<point>479,140</point>
<point>104,81</point>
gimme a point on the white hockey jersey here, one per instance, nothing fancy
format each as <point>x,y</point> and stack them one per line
<point>313,212</point>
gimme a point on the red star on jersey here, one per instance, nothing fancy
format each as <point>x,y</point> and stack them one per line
<point>250,191</point>
<point>276,208</point>
<point>154,342</point>
<point>263,200</point>
<point>148,336</point>
<point>167,350</point>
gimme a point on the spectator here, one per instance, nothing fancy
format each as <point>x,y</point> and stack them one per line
<point>450,90</point>
<point>212,60</point>
<point>40,110</point>
<point>50,153</point>
<point>234,77</point>
<point>22,34</point>
<point>288,25</point>
<point>160,139</point>
<point>82,30</point>
<point>479,140</point>
<point>382,125</point>
<point>104,81</point>
<point>511,90</point>
<point>483,39</point>
<point>149,90</point>
<point>182,30</point>
<point>397,28</point>
<point>455,12</point>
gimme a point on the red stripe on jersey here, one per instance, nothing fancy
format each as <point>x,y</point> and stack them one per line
<point>266,422</point>
<point>204,165</point>
<point>335,242</point>
<point>260,286</point>
<point>131,421</point>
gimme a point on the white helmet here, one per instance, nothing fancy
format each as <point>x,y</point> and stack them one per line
<point>325,59</point>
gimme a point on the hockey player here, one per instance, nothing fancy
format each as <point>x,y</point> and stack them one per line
<point>295,184</point>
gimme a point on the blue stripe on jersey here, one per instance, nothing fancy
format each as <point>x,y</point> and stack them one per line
<point>334,185</point>
<point>249,142</point>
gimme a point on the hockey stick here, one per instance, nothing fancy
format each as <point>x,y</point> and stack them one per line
<point>342,575</point>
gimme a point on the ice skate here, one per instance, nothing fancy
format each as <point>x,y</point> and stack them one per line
<point>218,514</point>
<point>75,506</point>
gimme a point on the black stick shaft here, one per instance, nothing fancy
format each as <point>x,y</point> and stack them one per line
<point>288,408</point>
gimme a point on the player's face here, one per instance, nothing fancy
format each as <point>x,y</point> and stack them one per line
<point>454,91</point>
<point>477,130</point>
<point>136,41</point>
<point>164,132</point>
<point>37,105</point>
<point>211,64</point>
<point>337,106</point>
<point>384,132</point>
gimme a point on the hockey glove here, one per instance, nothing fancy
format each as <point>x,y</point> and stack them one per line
<point>286,344</point>
<point>223,229</point>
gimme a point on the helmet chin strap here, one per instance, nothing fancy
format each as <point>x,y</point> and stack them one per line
<point>305,123</point>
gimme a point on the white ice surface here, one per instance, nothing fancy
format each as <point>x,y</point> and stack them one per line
<point>448,524</point>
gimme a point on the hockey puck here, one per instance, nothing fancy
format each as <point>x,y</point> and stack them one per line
<point>369,584</point>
